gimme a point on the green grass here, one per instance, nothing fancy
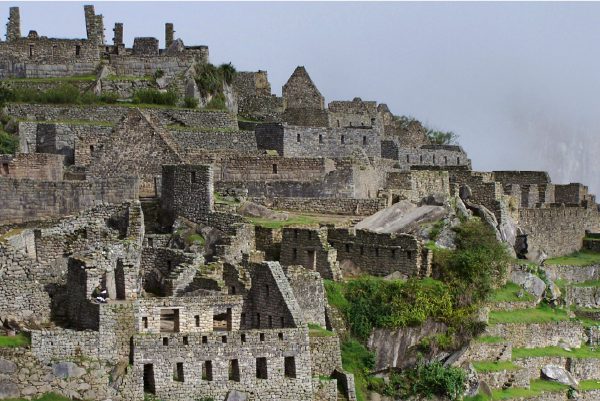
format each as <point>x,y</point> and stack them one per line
<point>492,366</point>
<point>335,295</point>
<point>317,331</point>
<point>298,220</point>
<point>44,397</point>
<point>490,339</point>
<point>195,238</point>
<point>581,353</point>
<point>589,283</point>
<point>357,359</point>
<point>580,258</point>
<point>14,341</point>
<point>587,385</point>
<point>536,388</point>
<point>8,143</point>
<point>541,314</point>
<point>509,293</point>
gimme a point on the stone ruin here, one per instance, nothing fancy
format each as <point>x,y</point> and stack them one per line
<point>145,202</point>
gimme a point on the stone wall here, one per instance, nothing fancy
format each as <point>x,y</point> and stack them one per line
<point>28,200</point>
<point>340,206</point>
<point>354,113</point>
<point>309,293</point>
<point>558,231</point>
<point>380,254</point>
<point>114,113</point>
<point>573,274</point>
<point>582,297</point>
<point>538,335</point>
<point>309,247</point>
<point>237,141</point>
<point>521,177</point>
<point>145,65</point>
<point>325,355</point>
<point>35,166</point>
<point>416,185</point>
<point>426,155</point>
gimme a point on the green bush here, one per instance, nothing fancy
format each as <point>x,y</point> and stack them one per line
<point>109,97</point>
<point>442,138</point>
<point>210,80</point>
<point>217,102</point>
<point>8,143</point>
<point>190,102</point>
<point>154,96</point>
<point>63,94</point>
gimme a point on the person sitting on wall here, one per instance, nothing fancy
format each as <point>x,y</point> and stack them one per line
<point>100,294</point>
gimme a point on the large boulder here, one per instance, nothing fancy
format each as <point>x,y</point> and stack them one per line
<point>402,217</point>
<point>558,374</point>
<point>67,369</point>
<point>8,390</point>
<point>7,367</point>
<point>530,282</point>
<point>252,209</point>
<point>235,395</point>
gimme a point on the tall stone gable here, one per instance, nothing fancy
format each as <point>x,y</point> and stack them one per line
<point>303,103</point>
<point>138,146</point>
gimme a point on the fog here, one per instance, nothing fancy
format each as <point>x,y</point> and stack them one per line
<point>517,81</point>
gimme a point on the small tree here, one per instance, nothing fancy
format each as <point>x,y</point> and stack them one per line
<point>442,138</point>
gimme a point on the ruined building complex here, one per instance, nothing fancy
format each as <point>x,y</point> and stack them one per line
<point>167,208</point>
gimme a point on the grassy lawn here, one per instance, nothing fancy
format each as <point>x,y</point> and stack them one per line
<point>510,293</point>
<point>14,341</point>
<point>536,388</point>
<point>587,385</point>
<point>490,339</point>
<point>358,360</point>
<point>589,283</point>
<point>317,331</point>
<point>541,314</point>
<point>298,220</point>
<point>493,366</point>
<point>580,258</point>
<point>582,352</point>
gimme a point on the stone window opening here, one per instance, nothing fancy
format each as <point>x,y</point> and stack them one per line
<point>77,50</point>
<point>207,371</point>
<point>347,248</point>
<point>92,149</point>
<point>54,50</point>
<point>197,320</point>
<point>204,340</point>
<point>408,255</point>
<point>310,235</point>
<point>270,319</point>
<point>165,341</point>
<point>150,242</point>
<point>458,160</point>
<point>282,321</point>
<point>224,339</point>
<point>289,367</point>
<point>233,290</point>
<point>193,177</point>
<point>280,336</point>
<point>393,253</point>
<point>295,233</point>
<point>145,322</point>
<point>5,168</point>
<point>294,253</point>
<point>376,251</point>
<point>178,372</point>
<point>445,159</point>
<point>221,321</point>
<point>433,159</point>
<point>320,138</point>
<point>338,123</point>
<point>243,318</point>
<point>311,259</point>
<point>267,290</point>
<point>421,159</point>
<point>297,137</point>
<point>362,250</point>
<point>261,368</point>
<point>119,278</point>
<point>364,140</point>
<point>274,168</point>
<point>258,320</point>
<point>408,158</point>
<point>261,336</point>
<point>243,338</point>
<point>234,370</point>
<point>169,320</point>
<point>372,121</point>
<point>149,379</point>
<point>186,340</point>
<point>30,50</point>
<point>342,139</point>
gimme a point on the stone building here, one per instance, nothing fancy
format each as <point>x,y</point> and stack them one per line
<point>303,103</point>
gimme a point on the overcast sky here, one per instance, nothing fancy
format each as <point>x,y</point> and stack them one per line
<point>519,82</point>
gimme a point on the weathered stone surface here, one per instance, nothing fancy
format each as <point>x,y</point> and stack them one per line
<point>237,396</point>
<point>558,374</point>
<point>530,282</point>
<point>8,390</point>
<point>401,217</point>
<point>7,367</point>
<point>67,369</point>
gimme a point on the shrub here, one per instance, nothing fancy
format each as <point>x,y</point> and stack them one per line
<point>431,379</point>
<point>8,143</point>
<point>190,102</point>
<point>109,97</point>
<point>442,138</point>
<point>210,79</point>
<point>159,73</point>
<point>217,102</point>
<point>63,94</point>
<point>154,96</point>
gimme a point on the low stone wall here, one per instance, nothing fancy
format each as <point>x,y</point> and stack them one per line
<point>496,380</point>
<point>538,335</point>
<point>584,297</point>
<point>486,352</point>
<point>580,368</point>
<point>572,274</point>
<point>342,206</point>
<point>325,390</point>
<point>28,200</point>
<point>325,355</point>
<point>56,345</point>
<point>113,114</point>
<point>512,305</point>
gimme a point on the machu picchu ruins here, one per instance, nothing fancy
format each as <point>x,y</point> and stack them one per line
<point>173,230</point>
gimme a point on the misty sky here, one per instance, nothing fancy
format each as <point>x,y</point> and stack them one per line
<point>519,82</point>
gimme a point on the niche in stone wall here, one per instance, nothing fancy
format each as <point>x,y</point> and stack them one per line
<point>234,370</point>
<point>178,372</point>
<point>149,379</point>
<point>261,368</point>
<point>289,365</point>
<point>207,371</point>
